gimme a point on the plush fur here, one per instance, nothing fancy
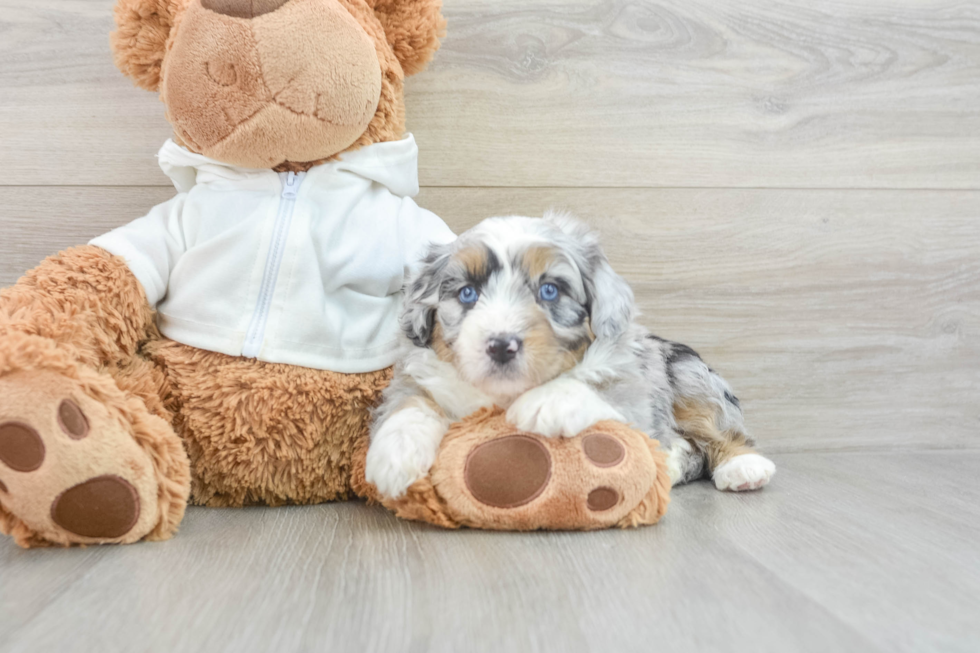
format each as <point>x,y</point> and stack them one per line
<point>413,30</point>
<point>140,42</point>
<point>265,433</point>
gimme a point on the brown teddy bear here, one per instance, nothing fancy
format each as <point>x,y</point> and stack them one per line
<point>226,348</point>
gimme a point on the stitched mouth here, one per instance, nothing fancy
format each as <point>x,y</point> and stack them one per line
<point>256,114</point>
<point>325,121</point>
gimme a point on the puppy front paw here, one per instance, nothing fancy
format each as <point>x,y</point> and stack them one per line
<point>563,407</point>
<point>403,449</point>
<point>749,471</point>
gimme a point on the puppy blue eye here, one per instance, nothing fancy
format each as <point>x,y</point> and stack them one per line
<point>468,295</point>
<point>548,292</point>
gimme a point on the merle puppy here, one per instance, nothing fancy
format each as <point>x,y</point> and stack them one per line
<point>527,314</point>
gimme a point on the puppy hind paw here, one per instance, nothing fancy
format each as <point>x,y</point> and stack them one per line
<point>742,473</point>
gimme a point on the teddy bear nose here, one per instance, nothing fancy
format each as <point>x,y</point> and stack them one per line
<point>243,8</point>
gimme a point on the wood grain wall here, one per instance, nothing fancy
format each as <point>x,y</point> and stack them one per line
<point>792,187</point>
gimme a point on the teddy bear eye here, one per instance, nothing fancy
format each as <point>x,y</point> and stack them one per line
<point>548,292</point>
<point>468,295</point>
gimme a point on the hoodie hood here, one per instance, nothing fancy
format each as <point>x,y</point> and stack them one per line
<point>393,164</point>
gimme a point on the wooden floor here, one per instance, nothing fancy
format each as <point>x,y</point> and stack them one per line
<point>859,552</point>
<point>792,187</point>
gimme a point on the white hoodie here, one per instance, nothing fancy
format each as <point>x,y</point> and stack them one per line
<point>304,269</point>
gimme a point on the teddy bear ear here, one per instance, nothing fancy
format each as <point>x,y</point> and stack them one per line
<point>140,39</point>
<point>413,29</point>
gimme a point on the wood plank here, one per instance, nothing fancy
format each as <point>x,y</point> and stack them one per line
<point>39,221</point>
<point>831,556</point>
<point>844,319</point>
<point>773,93</point>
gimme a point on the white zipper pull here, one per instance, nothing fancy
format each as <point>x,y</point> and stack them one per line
<point>290,186</point>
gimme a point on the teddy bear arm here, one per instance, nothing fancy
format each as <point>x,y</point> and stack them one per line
<point>89,454</point>
<point>83,298</point>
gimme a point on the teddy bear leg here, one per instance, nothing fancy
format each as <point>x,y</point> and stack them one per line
<point>85,456</point>
<point>490,475</point>
<point>82,462</point>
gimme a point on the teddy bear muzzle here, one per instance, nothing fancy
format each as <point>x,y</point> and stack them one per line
<point>257,83</point>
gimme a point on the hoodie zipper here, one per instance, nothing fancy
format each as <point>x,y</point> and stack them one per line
<point>260,317</point>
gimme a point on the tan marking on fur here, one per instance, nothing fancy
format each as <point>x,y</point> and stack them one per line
<point>697,422</point>
<point>536,260</point>
<point>473,259</point>
<point>545,356</point>
<point>439,345</point>
<point>573,357</point>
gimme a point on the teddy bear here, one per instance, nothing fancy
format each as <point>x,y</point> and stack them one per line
<point>226,349</point>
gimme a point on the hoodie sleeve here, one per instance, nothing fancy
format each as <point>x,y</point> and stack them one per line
<point>150,246</point>
<point>423,228</point>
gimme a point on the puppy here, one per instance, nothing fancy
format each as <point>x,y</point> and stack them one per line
<point>527,314</point>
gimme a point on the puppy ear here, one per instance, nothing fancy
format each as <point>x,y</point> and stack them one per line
<point>421,296</point>
<point>413,29</point>
<point>140,40</point>
<point>611,306</point>
<point>610,298</point>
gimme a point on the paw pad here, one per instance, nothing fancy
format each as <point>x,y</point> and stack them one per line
<point>72,420</point>
<point>603,450</point>
<point>72,471</point>
<point>602,498</point>
<point>508,472</point>
<point>103,507</point>
<point>21,447</point>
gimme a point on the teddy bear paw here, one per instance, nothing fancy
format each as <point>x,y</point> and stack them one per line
<point>70,470</point>
<point>503,478</point>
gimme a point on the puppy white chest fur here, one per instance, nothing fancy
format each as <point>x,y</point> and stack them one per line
<point>455,396</point>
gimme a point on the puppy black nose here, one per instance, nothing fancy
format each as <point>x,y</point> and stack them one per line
<point>504,349</point>
<point>243,8</point>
